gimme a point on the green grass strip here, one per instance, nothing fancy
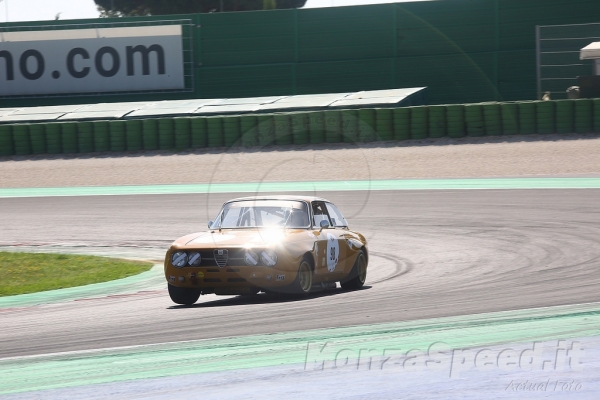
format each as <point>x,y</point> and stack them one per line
<point>22,273</point>
<point>325,186</point>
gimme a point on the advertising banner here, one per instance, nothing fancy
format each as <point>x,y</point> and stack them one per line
<point>99,60</point>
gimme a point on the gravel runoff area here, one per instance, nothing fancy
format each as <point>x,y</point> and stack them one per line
<point>503,156</point>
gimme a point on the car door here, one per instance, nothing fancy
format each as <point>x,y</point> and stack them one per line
<point>329,252</point>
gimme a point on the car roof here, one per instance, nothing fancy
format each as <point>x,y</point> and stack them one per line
<point>280,197</point>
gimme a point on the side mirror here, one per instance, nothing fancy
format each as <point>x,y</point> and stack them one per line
<point>210,224</point>
<point>324,224</point>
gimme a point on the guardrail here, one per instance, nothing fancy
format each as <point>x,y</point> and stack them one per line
<point>313,127</point>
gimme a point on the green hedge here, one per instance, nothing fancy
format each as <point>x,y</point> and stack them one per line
<point>300,128</point>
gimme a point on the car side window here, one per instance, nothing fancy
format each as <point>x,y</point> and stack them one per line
<point>337,218</point>
<point>319,213</point>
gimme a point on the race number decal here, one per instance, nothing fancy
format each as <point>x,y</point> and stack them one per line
<point>333,252</point>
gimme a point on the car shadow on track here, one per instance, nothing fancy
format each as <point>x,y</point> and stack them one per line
<point>264,298</point>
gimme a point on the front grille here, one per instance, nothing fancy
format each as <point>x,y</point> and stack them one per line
<point>211,260</point>
<point>221,256</point>
<point>236,280</point>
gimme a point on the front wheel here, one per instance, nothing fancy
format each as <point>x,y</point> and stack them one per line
<point>303,281</point>
<point>185,296</point>
<point>358,274</point>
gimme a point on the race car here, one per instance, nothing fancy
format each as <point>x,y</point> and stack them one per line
<point>270,244</point>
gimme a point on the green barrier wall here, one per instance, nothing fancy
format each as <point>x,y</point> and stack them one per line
<point>299,125</point>
<point>283,129</point>
<point>38,138</point>
<point>53,138</point>
<point>419,124</point>
<point>300,128</point>
<point>21,143</point>
<point>135,139</point>
<point>465,51</point>
<point>6,141</point>
<point>150,134</point>
<point>214,131</point>
<point>316,127</point>
<point>248,130</point>
<point>70,144</point>
<point>166,134</point>
<point>85,136</point>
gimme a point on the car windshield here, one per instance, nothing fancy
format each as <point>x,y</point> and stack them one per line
<point>262,213</point>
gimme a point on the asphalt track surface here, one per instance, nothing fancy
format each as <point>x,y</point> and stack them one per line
<point>433,254</point>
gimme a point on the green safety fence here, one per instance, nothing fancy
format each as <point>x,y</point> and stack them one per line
<point>437,121</point>
<point>85,137</point>
<point>53,138</point>
<point>565,117</point>
<point>183,133</point>
<point>596,118</point>
<point>545,117</point>
<point>584,116</point>
<point>266,130</point>
<point>134,135</point>
<point>199,135</point>
<point>350,126</point>
<point>166,134</point>
<point>6,141</point>
<point>299,126</point>
<point>366,125</point>
<point>150,134</point>
<point>313,127</point>
<point>455,120</point>
<point>316,127</point>
<point>283,129</point>
<point>214,131</point>
<point>20,134</point>
<point>510,118</point>
<point>492,119</point>
<point>231,130</point>
<point>118,141</point>
<point>419,124</point>
<point>474,120</point>
<point>68,136</point>
<point>401,123</point>
<point>37,137</point>
<point>333,126</point>
<point>248,130</point>
<point>384,123</point>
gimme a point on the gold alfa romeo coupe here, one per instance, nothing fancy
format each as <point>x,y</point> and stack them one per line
<point>273,244</point>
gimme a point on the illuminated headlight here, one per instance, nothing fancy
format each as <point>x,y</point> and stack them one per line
<point>194,259</point>
<point>251,258</point>
<point>268,258</point>
<point>179,259</point>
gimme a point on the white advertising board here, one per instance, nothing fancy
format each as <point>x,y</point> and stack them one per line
<point>91,60</point>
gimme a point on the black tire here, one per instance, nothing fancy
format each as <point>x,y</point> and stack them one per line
<point>304,278</point>
<point>185,296</point>
<point>358,275</point>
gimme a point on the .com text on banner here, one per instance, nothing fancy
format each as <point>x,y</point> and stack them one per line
<point>99,60</point>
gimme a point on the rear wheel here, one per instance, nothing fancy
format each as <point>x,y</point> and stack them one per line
<point>184,296</point>
<point>358,275</point>
<point>303,281</point>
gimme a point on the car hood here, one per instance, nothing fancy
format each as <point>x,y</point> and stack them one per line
<point>243,238</point>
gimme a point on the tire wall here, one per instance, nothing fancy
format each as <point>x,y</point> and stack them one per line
<point>303,127</point>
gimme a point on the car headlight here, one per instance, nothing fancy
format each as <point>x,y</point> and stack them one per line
<point>268,258</point>
<point>179,259</point>
<point>194,259</point>
<point>251,258</point>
